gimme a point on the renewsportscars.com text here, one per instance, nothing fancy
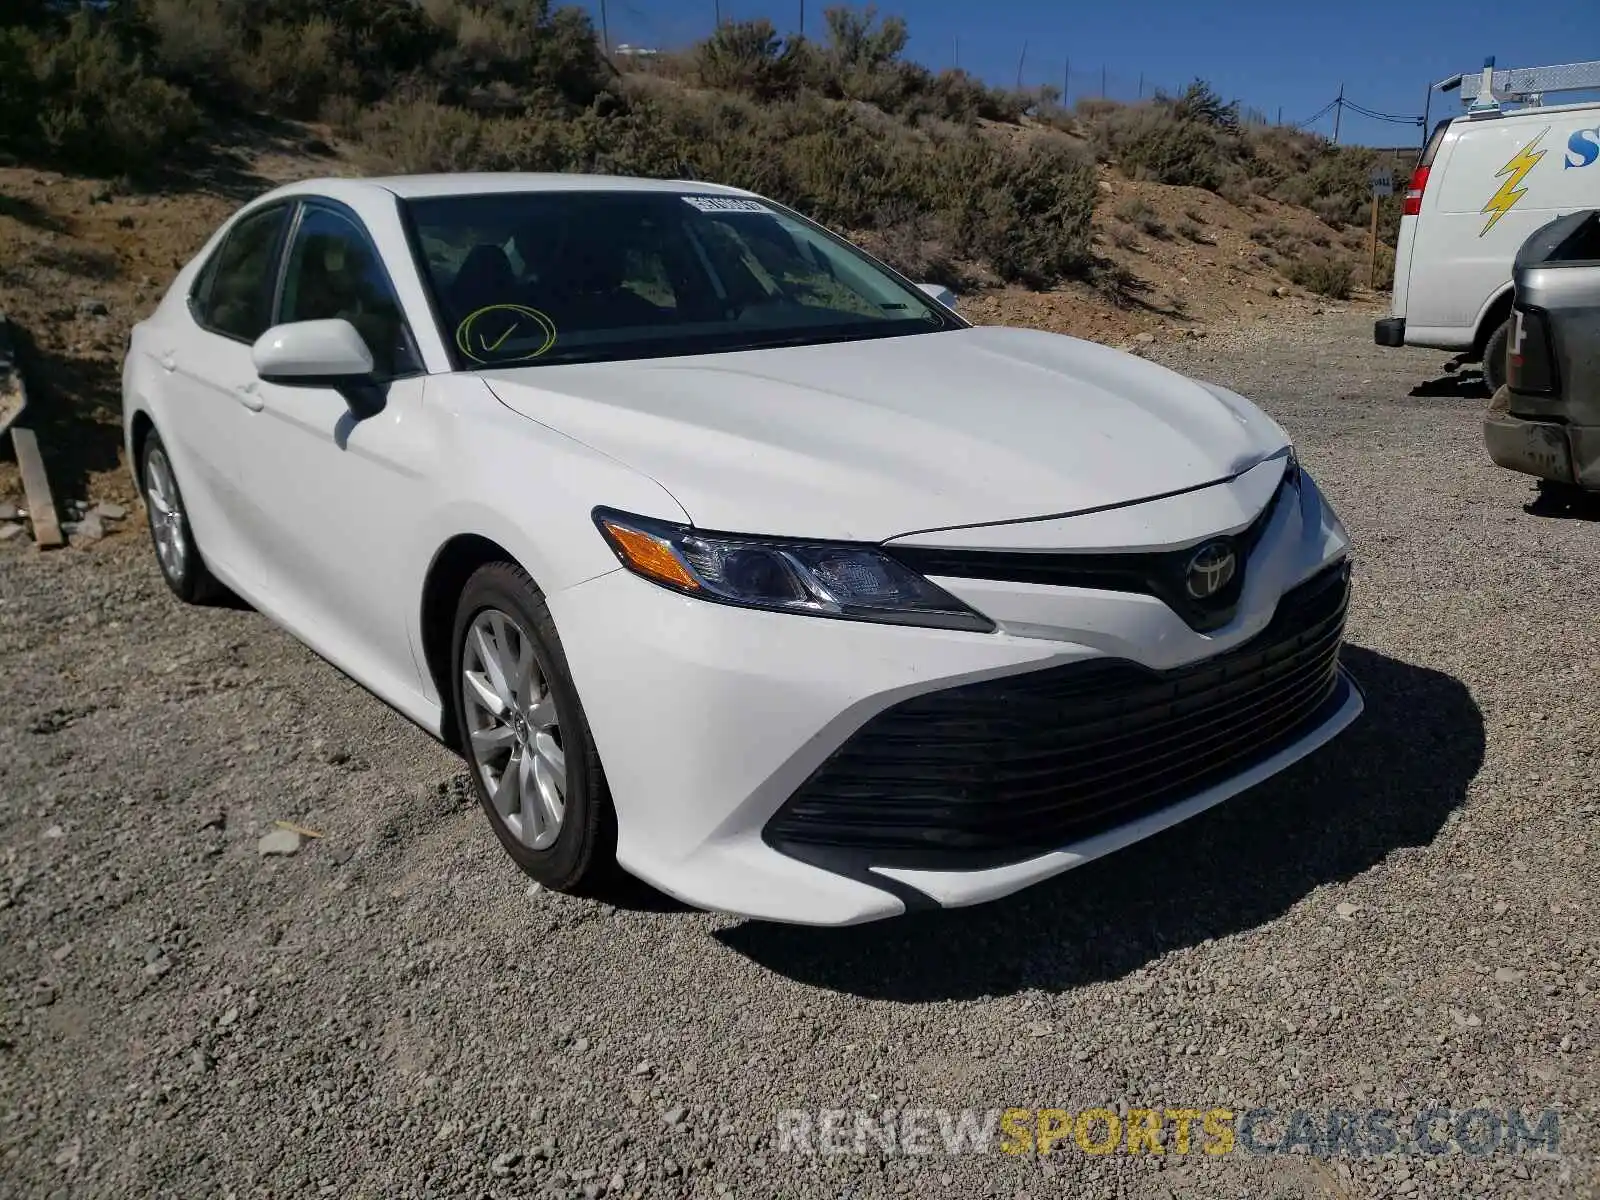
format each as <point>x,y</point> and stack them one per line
<point>1326,1133</point>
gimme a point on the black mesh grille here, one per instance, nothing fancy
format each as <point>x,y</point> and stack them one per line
<point>999,771</point>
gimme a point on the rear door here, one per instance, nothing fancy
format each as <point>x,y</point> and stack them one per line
<point>204,356</point>
<point>1405,244</point>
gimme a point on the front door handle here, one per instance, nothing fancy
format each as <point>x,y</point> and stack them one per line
<point>247,395</point>
<point>168,361</point>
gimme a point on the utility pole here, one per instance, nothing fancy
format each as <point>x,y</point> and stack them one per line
<point>955,52</point>
<point>1141,85</point>
<point>1280,114</point>
<point>716,7</point>
<point>1066,81</point>
<point>1102,81</point>
<point>605,31</point>
<point>1338,111</point>
<point>802,18</point>
<point>1021,59</point>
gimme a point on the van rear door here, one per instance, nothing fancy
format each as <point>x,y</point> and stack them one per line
<point>1416,189</point>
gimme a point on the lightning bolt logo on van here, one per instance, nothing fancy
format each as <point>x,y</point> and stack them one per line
<point>1514,172</point>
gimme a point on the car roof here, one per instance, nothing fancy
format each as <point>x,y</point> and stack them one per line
<point>474,183</point>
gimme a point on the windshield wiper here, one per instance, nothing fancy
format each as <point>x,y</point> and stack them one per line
<point>813,338</point>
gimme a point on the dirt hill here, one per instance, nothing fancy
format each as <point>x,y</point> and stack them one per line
<point>82,259</point>
<point>127,135</point>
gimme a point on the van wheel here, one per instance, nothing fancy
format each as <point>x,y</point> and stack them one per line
<point>1494,357</point>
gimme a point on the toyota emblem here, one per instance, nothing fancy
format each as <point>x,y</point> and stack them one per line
<point>1210,570</point>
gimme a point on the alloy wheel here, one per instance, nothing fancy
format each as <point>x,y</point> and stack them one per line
<point>166,514</point>
<point>514,734</point>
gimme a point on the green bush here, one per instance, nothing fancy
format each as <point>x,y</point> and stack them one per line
<point>1149,142</point>
<point>749,57</point>
<point>79,99</point>
<point>1028,213</point>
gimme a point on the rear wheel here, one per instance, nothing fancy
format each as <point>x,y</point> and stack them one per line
<point>523,731</point>
<point>182,566</point>
<point>1494,357</point>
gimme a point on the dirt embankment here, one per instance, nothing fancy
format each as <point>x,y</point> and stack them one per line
<point>81,260</point>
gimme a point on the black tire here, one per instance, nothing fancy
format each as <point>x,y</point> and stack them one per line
<point>187,575</point>
<point>582,859</point>
<point>1494,357</point>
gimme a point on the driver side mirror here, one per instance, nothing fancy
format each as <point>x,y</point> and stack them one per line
<point>940,293</point>
<point>327,353</point>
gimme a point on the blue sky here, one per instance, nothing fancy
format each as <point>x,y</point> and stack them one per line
<point>1267,53</point>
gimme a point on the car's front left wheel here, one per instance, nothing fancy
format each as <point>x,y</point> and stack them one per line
<point>522,729</point>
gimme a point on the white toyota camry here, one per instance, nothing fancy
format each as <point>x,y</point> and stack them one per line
<point>722,552</point>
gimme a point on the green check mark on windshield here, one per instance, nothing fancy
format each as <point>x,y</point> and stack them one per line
<point>499,341</point>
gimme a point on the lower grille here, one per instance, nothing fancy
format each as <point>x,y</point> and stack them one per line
<point>1000,771</point>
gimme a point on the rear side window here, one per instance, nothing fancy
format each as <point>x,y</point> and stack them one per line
<point>1435,140</point>
<point>234,298</point>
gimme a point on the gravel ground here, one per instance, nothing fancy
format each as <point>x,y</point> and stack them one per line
<point>1405,919</point>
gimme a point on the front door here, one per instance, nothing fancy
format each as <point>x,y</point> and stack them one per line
<point>338,495</point>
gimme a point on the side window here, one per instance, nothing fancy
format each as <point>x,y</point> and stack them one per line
<point>235,293</point>
<point>334,271</point>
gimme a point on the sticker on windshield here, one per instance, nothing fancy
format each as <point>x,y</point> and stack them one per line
<point>724,204</point>
<point>502,334</point>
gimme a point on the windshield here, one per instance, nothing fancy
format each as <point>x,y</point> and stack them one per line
<point>531,278</point>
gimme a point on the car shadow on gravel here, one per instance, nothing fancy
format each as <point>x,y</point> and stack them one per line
<point>1389,782</point>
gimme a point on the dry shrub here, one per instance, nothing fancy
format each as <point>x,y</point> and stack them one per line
<point>1323,274</point>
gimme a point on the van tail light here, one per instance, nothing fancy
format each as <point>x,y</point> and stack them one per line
<point>1419,182</point>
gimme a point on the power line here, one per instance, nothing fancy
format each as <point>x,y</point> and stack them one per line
<point>1316,116</point>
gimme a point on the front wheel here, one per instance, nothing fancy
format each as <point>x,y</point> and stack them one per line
<point>523,731</point>
<point>1494,357</point>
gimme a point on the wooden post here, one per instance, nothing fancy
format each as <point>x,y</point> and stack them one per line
<point>1372,261</point>
<point>36,485</point>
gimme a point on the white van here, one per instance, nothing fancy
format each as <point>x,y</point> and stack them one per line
<point>1485,182</point>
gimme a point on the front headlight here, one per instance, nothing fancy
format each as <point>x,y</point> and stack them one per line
<point>820,579</point>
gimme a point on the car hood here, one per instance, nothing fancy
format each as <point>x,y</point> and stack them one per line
<point>868,440</point>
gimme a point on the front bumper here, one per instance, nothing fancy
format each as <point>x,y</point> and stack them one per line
<point>1551,450</point>
<point>709,719</point>
<point>1390,331</point>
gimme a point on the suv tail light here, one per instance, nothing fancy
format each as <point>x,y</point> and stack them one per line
<point>1419,182</point>
<point>1530,361</point>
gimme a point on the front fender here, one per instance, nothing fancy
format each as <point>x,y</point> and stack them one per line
<point>525,487</point>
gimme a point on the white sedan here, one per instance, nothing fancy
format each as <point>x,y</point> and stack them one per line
<point>723,553</point>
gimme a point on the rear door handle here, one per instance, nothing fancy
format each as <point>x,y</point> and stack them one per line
<point>247,395</point>
<point>168,361</point>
